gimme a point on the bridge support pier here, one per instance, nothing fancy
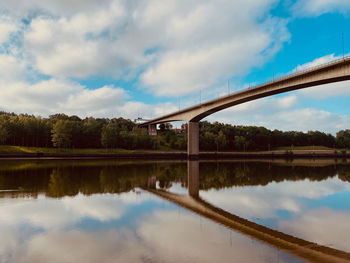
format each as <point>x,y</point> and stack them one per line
<point>193,177</point>
<point>193,140</point>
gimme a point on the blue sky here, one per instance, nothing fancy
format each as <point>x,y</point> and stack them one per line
<point>112,58</point>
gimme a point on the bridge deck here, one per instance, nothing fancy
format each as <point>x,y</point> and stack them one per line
<point>334,71</point>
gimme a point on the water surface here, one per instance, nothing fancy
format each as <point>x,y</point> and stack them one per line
<point>101,211</point>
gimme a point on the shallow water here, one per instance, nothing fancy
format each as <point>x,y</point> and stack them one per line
<point>102,211</point>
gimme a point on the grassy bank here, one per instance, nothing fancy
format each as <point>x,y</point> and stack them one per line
<point>309,148</point>
<point>305,148</point>
<point>23,149</point>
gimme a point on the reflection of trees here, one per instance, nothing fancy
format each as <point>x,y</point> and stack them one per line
<point>61,184</point>
<point>118,179</point>
<point>72,179</point>
<point>245,174</point>
<point>167,174</point>
<point>30,180</point>
<point>344,173</point>
<point>219,175</point>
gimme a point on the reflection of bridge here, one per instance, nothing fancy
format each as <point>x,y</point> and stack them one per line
<point>329,73</point>
<point>302,248</point>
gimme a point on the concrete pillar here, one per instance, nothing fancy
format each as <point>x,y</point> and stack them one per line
<point>193,177</point>
<point>193,140</point>
<point>152,129</point>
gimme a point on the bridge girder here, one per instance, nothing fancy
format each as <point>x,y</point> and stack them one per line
<point>330,73</point>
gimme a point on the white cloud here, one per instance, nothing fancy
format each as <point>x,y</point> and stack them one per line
<point>58,95</point>
<point>292,119</point>
<point>340,89</point>
<point>182,72</point>
<point>75,47</point>
<point>319,7</point>
<point>11,68</point>
<point>57,7</point>
<point>316,62</point>
<point>6,28</point>
<point>287,102</point>
<point>95,100</point>
<point>227,42</point>
<point>181,46</point>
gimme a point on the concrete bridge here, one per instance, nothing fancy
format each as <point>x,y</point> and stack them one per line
<point>310,251</point>
<point>334,71</point>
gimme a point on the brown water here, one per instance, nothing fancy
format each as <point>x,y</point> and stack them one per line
<point>102,211</point>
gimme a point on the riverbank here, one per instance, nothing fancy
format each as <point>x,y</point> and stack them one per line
<point>277,154</point>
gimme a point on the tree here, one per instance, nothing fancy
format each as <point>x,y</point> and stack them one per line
<point>240,143</point>
<point>221,141</point>
<point>62,134</point>
<point>343,138</point>
<point>4,134</point>
<point>109,135</point>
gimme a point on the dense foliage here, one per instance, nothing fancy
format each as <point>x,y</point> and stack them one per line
<point>218,136</point>
<point>65,131</point>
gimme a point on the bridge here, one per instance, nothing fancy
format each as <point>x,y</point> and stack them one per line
<point>335,71</point>
<point>310,251</point>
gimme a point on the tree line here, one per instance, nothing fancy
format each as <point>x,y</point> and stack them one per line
<point>225,137</point>
<point>63,131</point>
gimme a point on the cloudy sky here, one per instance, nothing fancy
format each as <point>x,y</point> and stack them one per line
<point>111,58</point>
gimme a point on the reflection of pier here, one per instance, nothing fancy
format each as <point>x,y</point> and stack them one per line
<point>299,247</point>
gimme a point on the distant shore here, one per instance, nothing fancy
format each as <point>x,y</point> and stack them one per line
<point>276,154</point>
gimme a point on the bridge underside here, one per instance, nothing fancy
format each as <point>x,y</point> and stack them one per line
<point>330,73</point>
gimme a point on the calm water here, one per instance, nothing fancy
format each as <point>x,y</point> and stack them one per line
<point>109,211</point>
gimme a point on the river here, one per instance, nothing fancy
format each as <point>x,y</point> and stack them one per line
<point>174,211</point>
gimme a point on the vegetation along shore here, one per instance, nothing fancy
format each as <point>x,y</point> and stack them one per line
<point>63,135</point>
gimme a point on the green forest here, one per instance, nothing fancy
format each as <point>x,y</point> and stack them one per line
<point>63,131</point>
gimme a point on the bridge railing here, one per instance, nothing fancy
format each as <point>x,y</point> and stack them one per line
<point>298,72</point>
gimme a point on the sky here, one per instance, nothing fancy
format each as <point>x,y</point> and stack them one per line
<point>133,58</point>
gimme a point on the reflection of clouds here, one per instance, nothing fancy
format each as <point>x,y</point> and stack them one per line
<point>162,237</point>
<point>188,238</point>
<point>100,207</point>
<point>54,213</point>
<point>251,201</point>
<point>324,226</point>
<point>21,219</point>
<point>8,242</point>
<point>264,201</point>
<point>75,246</point>
<point>178,188</point>
<point>137,197</point>
<point>311,189</point>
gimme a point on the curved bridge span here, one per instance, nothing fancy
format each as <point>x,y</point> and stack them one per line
<point>332,72</point>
